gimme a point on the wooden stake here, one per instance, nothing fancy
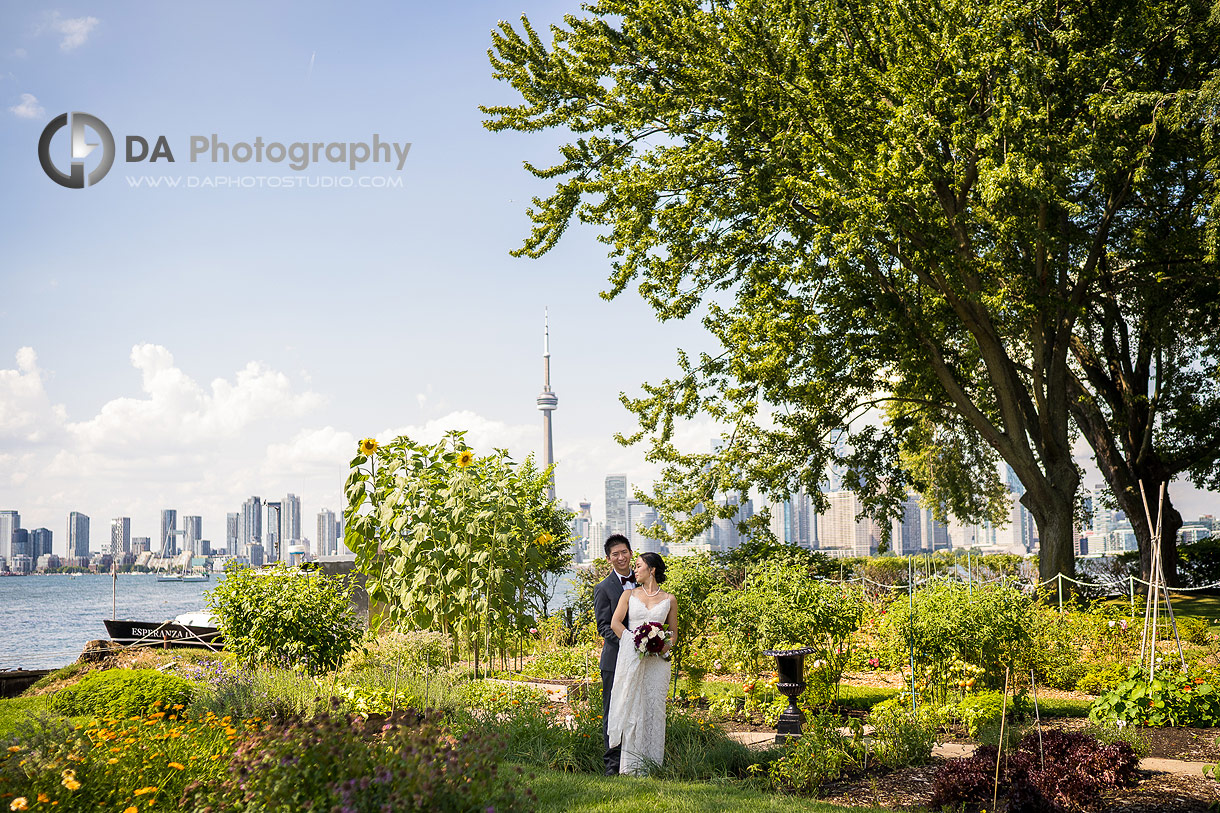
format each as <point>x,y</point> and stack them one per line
<point>995,790</point>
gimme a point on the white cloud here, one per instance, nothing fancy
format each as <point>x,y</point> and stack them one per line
<point>19,53</point>
<point>177,412</point>
<point>73,30</point>
<point>26,414</point>
<point>28,108</point>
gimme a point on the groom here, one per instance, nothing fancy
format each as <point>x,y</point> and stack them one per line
<point>605,599</point>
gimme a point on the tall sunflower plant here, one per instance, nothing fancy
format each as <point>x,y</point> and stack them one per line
<point>453,541</point>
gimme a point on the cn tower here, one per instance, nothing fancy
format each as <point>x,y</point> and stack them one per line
<point>547,402</point>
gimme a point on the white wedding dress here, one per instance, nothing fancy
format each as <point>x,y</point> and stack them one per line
<point>637,703</point>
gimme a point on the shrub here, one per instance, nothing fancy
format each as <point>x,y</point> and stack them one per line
<point>284,616</point>
<point>1170,699</point>
<point>821,755</point>
<point>1102,678</point>
<point>990,625</point>
<point>335,763</point>
<point>115,763</point>
<point>122,693</point>
<point>1056,772</point>
<point>563,663</point>
<point>489,698</point>
<point>901,736</point>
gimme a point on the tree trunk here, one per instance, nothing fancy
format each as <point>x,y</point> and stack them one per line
<point>1056,537</point>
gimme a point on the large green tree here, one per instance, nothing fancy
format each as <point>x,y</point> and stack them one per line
<point>896,202</point>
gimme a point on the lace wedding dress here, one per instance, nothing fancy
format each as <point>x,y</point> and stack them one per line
<point>637,704</point>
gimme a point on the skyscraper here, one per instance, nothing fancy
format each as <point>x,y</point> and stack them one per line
<point>547,402</point>
<point>40,542</point>
<point>9,522</point>
<point>290,518</point>
<point>192,530</point>
<point>616,504</point>
<point>120,536</point>
<point>327,539</point>
<point>251,524</point>
<point>78,535</point>
<point>167,544</point>
<point>232,533</point>
<point>272,536</point>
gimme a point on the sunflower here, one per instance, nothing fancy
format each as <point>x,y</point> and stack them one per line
<point>368,446</point>
<point>465,458</point>
<point>544,539</point>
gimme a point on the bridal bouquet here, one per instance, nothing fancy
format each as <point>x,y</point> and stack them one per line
<point>650,639</point>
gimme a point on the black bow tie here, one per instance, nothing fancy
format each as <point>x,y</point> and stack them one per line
<point>625,579</point>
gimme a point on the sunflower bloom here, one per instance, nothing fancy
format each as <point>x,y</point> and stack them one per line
<point>465,458</point>
<point>368,446</point>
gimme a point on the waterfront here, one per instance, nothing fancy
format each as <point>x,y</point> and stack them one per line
<point>45,621</point>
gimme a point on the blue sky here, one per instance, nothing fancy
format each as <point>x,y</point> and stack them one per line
<point>188,347</point>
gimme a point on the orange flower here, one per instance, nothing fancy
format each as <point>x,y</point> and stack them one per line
<point>178,765</point>
<point>149,789</point>
<point>131,809</point>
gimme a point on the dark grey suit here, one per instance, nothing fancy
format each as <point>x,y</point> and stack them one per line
<point>605,599</point>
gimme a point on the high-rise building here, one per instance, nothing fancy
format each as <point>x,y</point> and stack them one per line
<point>840,534</point>
<point>232,533</point>
<point>20,545</point>
<point>40,542</point>
<point>327,539</point>
<point>78,535</point>
<point>616,504</point>
<point>251,524</point>
<point>548,401</point>
<point>141,544</point>
<point>168,542</point>
<point>290,518</point>
<point>272,535</point>
<point>120,536</point>
<point>906,532</point>
<point>192,532</point>
<point>9,522</point>
<point>724,534</point>
<point>640,516</point>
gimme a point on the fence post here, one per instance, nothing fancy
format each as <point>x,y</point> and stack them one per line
<point>1131,589</point>
<point>1059,579</point>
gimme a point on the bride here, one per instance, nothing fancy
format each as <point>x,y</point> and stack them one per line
<point>637,706</point>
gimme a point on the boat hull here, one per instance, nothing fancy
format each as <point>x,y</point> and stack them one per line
<point>163,634</point>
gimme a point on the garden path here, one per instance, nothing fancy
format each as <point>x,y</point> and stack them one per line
<point>958,750</point>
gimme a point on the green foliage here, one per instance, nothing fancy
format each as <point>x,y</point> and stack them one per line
<point>489,698</point>
<point>989,625</point>
<point>1169,699</point>
<point>571,662</point>
<point>285,616</point>
<point>1102,678</point>
<point>1199,562</point>
<point>819,756</point>
<point>331,762</point>
<point>122,692</point>
<point>904,737</point>
<point>113,762</point>
<point>454,542</point>
<point>980,711</point>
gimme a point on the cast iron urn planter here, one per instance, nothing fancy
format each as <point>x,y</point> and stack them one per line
<point>791,672</point>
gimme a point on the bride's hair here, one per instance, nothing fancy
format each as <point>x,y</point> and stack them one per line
<point>657,564</point>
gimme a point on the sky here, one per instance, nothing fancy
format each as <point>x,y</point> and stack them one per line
<point>189,346</point>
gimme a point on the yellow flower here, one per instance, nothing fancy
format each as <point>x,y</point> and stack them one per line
<point>149,789</point>
<point>112,761</point>
<point>544,539</point>
<point>68,773</point>
<point>12,749</point>
<point>465,458</point>
<point>132,809</point>
<point>71,784</point>
<point>368,446</point>
<point>43,798</point>
<point>20,803</point>
<point>178,765</point>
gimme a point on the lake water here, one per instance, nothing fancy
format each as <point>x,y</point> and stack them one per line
<point>45,621</point>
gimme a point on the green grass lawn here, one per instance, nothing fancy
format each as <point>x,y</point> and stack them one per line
<point>587,793</point>
<point>15,709</point>
<point>864,698</point>
<point>1063,706</point>
<point>1184,604</point>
